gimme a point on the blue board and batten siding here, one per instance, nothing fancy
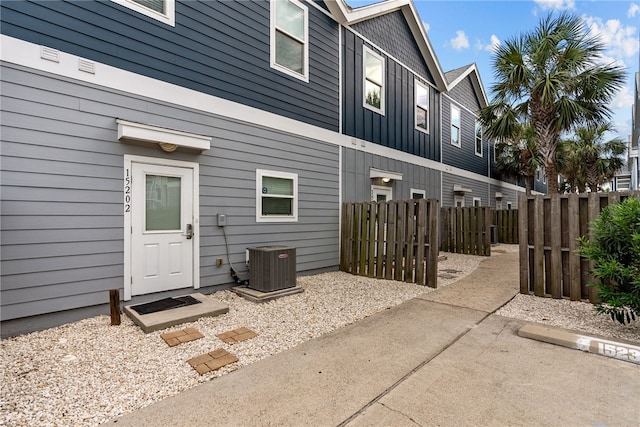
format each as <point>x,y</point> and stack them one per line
<point>62,169</point>
<point>396,127</point>
<point>464,157</point>
<point>216,47</point>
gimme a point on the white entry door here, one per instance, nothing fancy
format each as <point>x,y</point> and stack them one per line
<point>162,228</point>
<point>380,193</point>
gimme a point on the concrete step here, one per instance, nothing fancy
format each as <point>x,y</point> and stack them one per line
<point>175,316</point>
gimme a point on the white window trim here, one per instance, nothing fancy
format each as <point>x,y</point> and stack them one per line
<point>415,101</point>
<point>415,191</point>
<point>383,99</point>
<point>305,76</point>
<point>475,142</point>
<point>169,17</point>
<point>509,205</point>
<point>477,199</point>
<point>459,144</point>
<point>276,218</point>
<point>457,199</point>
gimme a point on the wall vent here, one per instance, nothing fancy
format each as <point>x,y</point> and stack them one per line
<point>86,66</point>
<point>49,54</point>
<point>272,268</point>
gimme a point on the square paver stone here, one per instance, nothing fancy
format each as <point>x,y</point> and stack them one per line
<point>183,335</point>
<point>211,361</point>
<point>237,335</point>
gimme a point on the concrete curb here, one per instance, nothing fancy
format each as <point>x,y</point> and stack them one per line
<point>615,349</point>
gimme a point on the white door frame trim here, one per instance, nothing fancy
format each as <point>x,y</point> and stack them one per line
<point>128,159</point>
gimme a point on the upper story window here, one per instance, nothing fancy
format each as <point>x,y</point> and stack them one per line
<point>276,196</point>
<point>374,80</point>
<point>477,202</point>
<point>289,38</point>
<point>422,107</point>
<point>162,10</point>
<point>455,126</point>
<point>478,138</point>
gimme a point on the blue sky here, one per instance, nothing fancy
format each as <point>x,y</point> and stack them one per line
<point>463,32</point>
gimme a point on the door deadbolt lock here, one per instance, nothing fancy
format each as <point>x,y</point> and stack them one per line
<point>189,231</point>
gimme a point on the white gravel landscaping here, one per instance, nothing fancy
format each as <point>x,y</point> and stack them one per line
<point>88,372</point>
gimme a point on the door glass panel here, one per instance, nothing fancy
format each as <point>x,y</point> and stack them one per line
<point>162,203</point>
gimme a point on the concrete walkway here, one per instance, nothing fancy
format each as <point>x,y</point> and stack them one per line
<point>439,359</point>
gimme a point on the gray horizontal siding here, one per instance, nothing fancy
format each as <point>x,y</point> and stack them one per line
<point>62,225</point>
<point>216,47</point>
<point>478,189</point>
<point>356,181</point>
<point>396,128</point>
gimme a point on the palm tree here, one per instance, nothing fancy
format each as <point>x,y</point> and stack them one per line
<point>571,168</point>
<point>517,156</point>
<point>591,160</point>
<point>553,78</point>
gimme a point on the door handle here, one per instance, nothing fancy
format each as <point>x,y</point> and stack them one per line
<point>189,233</point>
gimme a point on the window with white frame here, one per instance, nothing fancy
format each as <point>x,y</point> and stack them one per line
<point>418,194</point>
<point>455,126</point>
<point>499,204</point>
<point>509,205</point>
<point>478,139</point>
<point>276,196</point>
<point>422,107</point>
<point>477,201</point>
<point>374,80</point>
<point>289,38</point>
<point>162,10</point>
<point>458,201</point>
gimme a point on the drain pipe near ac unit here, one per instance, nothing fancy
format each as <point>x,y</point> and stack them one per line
<point>222,222</point>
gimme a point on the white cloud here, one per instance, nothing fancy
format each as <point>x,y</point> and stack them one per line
<point>623,99</point>
<point>620,41</point>
<point>633,9</point>
<point>426,26</point>
<point>491,46</point>
<point>460,41</point>
<point>556,4</point>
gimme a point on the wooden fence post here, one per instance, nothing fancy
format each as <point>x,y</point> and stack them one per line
<point>556,249</point>
<point>573,215</point>
<point>523,238</point>
<point>114,305</point>
<point>432,261</point>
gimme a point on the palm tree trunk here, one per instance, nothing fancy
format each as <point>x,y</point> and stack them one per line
<point>528,185</point>
<point>552,177</point>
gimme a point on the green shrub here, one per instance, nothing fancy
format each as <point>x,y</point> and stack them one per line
<point>615,251</point>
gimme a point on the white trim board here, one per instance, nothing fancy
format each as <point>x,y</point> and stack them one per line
<point>27,54</point>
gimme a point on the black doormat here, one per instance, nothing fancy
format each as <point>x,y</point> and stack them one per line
<point>165,304</point>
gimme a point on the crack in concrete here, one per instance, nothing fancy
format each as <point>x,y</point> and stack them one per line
<point>401,413</point>
<point>410,373</point>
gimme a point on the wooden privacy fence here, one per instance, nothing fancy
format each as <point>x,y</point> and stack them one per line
<point>396,240</point>
<point>549,227</point>
<point>506,222</point>
<point>466,230</point>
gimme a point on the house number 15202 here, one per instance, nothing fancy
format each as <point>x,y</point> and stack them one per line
<point>127,191</point>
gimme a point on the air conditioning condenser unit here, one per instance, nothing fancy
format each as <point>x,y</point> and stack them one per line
<point>272,268</point>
